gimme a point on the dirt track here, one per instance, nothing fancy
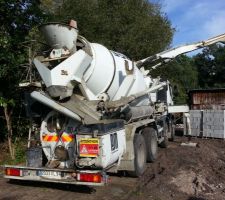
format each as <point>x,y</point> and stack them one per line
<point>189,173</point>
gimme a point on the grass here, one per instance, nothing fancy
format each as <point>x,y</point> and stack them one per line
<point>20,155</point>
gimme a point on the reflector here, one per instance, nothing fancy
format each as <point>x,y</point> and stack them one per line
<point>95,178</point>
<point>12,172</point>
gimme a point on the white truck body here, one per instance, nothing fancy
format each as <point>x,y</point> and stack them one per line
<point>106,113</point>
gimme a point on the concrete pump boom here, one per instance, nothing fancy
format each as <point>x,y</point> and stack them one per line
<point>168,55</point>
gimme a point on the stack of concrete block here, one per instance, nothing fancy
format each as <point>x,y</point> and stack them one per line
<point>208,123</point>
<point>195,120</point>
<point>213,123</point>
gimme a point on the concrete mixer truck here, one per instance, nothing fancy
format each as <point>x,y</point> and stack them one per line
<point>98,110</point>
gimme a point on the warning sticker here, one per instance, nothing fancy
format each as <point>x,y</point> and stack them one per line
<point>89,147</point>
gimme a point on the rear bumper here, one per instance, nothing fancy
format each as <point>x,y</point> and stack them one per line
<point>65,176</point>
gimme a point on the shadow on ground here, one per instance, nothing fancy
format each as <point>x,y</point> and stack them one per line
<point>57,186</point>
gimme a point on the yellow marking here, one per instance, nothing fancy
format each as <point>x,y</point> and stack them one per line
<point>46,138</point>
<point>88,155</point>
<point>50,138</point>
<point>89,141</point>
<point>54,138</point>
<point>67,138</point>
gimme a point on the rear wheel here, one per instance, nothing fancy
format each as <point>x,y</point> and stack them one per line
<point>168,134</point>
<point>140,155</point>
<point>164,143</point>
<point>150,136</point>
<point>172,131</point>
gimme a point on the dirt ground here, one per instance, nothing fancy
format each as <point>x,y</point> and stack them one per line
<point>180,173</point>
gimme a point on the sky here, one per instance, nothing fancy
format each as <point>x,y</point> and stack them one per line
<point>195,20</point>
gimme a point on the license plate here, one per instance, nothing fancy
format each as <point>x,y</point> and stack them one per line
<point>29,173</point>
<point>89,147</point>
<point>48,173</point>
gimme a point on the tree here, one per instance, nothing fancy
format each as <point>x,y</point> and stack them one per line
<point>211,67</point>
<point>182,74</point>
<point>8,110</point>
<point>136,28</point>
<point>17,19</point>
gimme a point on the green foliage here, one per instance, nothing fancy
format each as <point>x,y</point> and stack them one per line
<point>211,67</point>
<point>20,154</point>
<point>18,18</point>
<point>20,126</point>
<point>4,102</point>
<point>20,149</point>
<point>182,74</point>
<point>205,70</point>
<point>136,28</point>
<point>51,7</point>
<point>3,129</point>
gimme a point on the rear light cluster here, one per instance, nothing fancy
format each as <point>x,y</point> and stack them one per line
<point>12,172</point>
<point>94,178</point>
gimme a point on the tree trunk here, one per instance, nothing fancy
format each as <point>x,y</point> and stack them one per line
<point>8,117</point>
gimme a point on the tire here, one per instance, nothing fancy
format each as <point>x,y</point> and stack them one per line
<point>150,136</point>
<point>140,156</point>
<point>172,131</point>
<point>164,143</point>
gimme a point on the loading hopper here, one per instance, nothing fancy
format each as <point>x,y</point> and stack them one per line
<point>59,35</point>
